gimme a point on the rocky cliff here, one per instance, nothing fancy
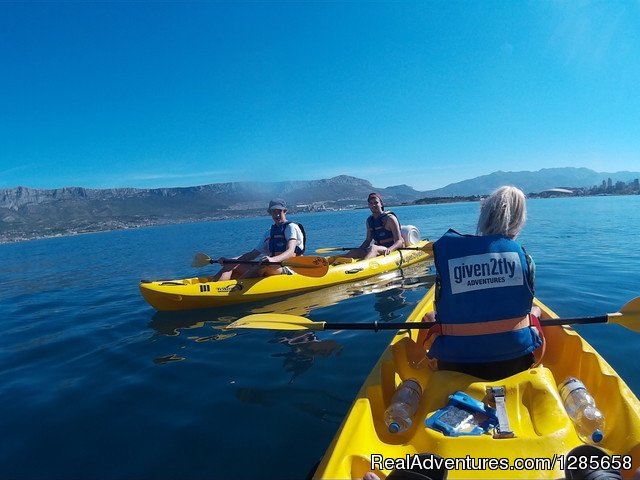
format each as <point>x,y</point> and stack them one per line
<point>30,213</point>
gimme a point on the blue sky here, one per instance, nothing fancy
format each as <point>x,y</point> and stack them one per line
<point>142,94</point>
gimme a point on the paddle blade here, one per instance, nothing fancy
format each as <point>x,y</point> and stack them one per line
<point>629,315</point>
<point>200,260</point>
<point>276,321</point>
<point>308,266</point>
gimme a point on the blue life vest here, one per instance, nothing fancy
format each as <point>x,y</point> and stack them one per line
<point>278,242</point>
<point>482,279</point>
<point>381,236</point>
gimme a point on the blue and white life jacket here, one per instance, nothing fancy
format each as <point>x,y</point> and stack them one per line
<point>484,293</point>
<point>381,236</point>
<point>278,241</point>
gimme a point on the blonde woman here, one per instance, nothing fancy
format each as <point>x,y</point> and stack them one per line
<point>484,294</point>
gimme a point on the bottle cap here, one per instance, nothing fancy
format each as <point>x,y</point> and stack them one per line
<point>597,436</point>
<point>394,427</point>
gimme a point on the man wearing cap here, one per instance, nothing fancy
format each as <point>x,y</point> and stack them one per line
<point>281,242</point>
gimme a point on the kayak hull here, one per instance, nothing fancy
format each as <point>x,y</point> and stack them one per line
<point>536,413</point>
<point>201,292</point>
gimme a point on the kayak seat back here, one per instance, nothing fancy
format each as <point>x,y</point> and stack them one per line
<point>410,234</point>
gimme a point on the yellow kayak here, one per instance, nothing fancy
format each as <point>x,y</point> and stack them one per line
<point>202,292</point>
<point>544,433</point>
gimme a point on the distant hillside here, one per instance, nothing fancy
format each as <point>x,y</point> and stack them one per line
<point>30,213</point>
<point>530,181</point>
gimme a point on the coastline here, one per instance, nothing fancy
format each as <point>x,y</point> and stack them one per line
<point>114,225</point>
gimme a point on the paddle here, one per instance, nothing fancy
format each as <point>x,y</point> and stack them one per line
<point>427,248</point>
<point>307,266</point>
<point>628,316</point>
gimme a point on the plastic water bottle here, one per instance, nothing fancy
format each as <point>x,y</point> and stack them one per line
<point>404,405</point>
<point>582,409</point>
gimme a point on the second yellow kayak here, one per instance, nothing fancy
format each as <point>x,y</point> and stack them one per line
<point>202,292</point>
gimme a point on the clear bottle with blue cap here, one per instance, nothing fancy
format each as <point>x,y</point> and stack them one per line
<point>404,405</point>
<point>582,409</point>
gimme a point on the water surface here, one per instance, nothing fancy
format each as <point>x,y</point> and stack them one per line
<point>95,384</point>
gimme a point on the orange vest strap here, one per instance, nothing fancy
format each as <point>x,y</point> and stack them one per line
<point>481,328</point>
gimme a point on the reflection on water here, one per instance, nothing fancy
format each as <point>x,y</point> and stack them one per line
<point>218,336</point>
<point>167,359</point>
<point>301,348</point>
<point>387,303</point>
<point>304,348</point>
<point>172,323</point>
<point>171,326</point>
<point>415,276</point>
<point>311,401</point>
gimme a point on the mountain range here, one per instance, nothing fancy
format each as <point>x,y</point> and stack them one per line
<point>27,213</point>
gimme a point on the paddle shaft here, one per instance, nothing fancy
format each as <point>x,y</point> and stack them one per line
<point>628,317</point>
<point>378,326</point>
<point>550,322</point>
<point>546,322</point>
<point>358,248</point>
<point>256,262</point>
<point>307,266</point>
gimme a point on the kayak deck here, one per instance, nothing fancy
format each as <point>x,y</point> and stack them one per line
<point>536,413</point>
<point>202,292</point>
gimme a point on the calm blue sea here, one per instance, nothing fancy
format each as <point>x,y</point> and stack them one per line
<point>94,384</point>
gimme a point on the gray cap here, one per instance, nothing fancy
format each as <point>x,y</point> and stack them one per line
<point>277,204</point>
